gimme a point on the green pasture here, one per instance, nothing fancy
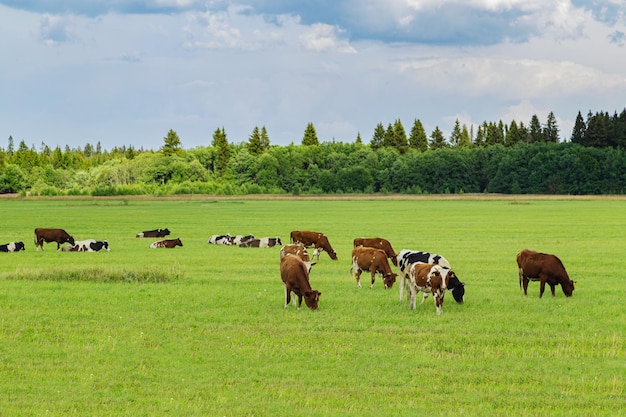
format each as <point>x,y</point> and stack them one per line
<point>214,338</point>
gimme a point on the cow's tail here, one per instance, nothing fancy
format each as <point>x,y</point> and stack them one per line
<point>521,279</point>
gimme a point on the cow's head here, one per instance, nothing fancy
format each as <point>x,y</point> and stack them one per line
<point>70,240</point>
<point>568,287</point>
<point>166,232</point>
<point>311,298</point>
<point>19,246</point>
<point>389,279</point>
<point>333,255</point>
<point>105,245</point>
<point>457,287</point>
<point>177,242</point>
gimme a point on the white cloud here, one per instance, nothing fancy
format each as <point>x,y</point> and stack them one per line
<point>323,38</point>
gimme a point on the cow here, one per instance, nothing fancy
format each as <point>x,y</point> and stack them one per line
<point>372,260</point>
<point>154,233</point>
<point>237,240</point>
<point>316,240</point>
<point>89,245</point>
<point>167,243</point>
<point>295,277</point>
<point>48,235</point>
<point>298,250</point>
<point>12,247</point>
<point>407,257</point>
<point>428,278</point>
<point>379,243</point>
<point>226,239</point>
<point>545,268</point>
<point>264,242</point>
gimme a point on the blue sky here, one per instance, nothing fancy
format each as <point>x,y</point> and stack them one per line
<point>125,72</point>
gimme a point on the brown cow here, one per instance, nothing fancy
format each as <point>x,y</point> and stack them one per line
<point>167,243</point>
<point>298,250</point>
<point>373,260</point>
<point>379,243</point>
<point>545,268</point>
<point>428,278</point>
<point>48,235</point>
<point>316,240</point>
<point>295,276</point>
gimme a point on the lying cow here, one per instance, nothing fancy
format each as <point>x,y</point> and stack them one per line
<point>12,247</point>
<point>167,243</point>
<point>89,245</point>
<point>407,257</point>
<point>372,260</point>
<point>264,242</point>
<point>545,268</point>
<point>226,239</point>
<point>315,240</point>
<point>379,243</point>
<point>429,279</point>
<point>48,235</point>
<point>154,233</point>
<point>239,239</point>
<point>299,251</point>
<point>295,277</point>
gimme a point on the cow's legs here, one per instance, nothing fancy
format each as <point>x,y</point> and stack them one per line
<point>542,287</point>
<point>373,278</point>
<point>287,296</point>
<point>299,301</point>
<point>358,278</point>
<point>402,284</point>
<point>413,295</point>
<point>525,283</point>
<point>552,289</point>
<point>424,297</point>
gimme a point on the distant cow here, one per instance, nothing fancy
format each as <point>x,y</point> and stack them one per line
<point>429,279</point>
<point>167,243</point>
<point>372,260</point>
<point>154,233</point>
<point>89,245</point>
<point>47,235</point>
<point>545,268</point>
<point>379,243</point>
<point>226,239</point>
<point>295,277</point>
<point>316,240</point>
<point>264,242</point>
<point>239,239</point>
<point>407,257</point>
<point>12,247</point>
<point>299,251</point>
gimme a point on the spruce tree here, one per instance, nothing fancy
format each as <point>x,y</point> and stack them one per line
<point>455,136</point>
<point>310,136</point>
<point>222,151</point>
<point>551,130</point>
<point>378,137</point>
<point>437,139</point>
<point>400,141</point>
<point>265,139</point>
<point>172,144</point>
<point>465,141</point>
<point>254,142</point>
<point>535,131</point>
<point>418,139</point>
<point>579,130</point>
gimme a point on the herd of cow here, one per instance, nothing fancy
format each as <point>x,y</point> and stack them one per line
<point>418,271</point>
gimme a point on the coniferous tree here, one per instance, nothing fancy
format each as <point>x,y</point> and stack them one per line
<point>310,136</point>
<point>551,130</point>
<point>378,137</point>
<point>418,139</point>
<point>437,140</point>
<point>465,140</point>
<point>11,147</point>
<point>389,140</point>
<point>172,144</point>
<point>400,141</point>
<point>513,135</point>
<point>265,139</point>
<point>254,142</point>
<point>579,131</point>
<point>535,131</point>
<point>222,151</point>
<point>455,136</point>
<point>358,140</point>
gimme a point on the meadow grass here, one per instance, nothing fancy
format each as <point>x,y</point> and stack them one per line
<point>215,339</point>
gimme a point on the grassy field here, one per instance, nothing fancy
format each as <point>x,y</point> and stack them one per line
<point>215,339</point>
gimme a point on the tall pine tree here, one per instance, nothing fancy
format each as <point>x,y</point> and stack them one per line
<point>378,137</point>
<point>222,151</point>
<point>418,139</point>
<point>310,136</point>
<point>172,144</point>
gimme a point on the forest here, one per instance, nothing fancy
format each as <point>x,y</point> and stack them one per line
<point>503,158</point>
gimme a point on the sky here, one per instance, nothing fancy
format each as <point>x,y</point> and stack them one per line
<point>125,72</point>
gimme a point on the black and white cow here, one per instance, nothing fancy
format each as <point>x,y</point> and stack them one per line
<point>239,239</point>
<point>12,247</point>
<point>407,257</point>
<point>226,239</point>
<point>88,245</point>
<point>264,242</point>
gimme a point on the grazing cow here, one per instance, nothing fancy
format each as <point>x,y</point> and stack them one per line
<point>89,245</point>
<point>316,240</point>
<point>545,268</point>
<point>429,279</point>
<point>12,247</point>
<point>51,235</point>
<point>226,239</point>
<point>295,277</point>
<point>298,250</point>
<point>407,257</point>
<point>373,260</point>
<point>264,242</point>
<point>167,243</point>
<point>379,243</point>
<point>154,233</point>
<point>239,239</point>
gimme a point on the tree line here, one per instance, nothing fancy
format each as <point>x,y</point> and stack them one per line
<point>509,158</point>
